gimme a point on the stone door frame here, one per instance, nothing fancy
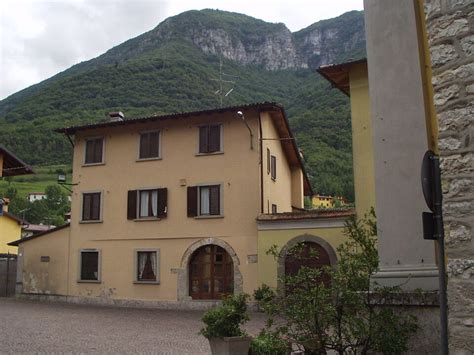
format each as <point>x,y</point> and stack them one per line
<point>183,271</point>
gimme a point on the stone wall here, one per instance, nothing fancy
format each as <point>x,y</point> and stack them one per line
<point>450,25</point>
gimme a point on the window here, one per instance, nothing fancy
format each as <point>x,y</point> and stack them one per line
<point>268,161</point>
<point>89,265</point>
<point>147,266</point>
<point>204,200</point>
<point>149,145</point>
<point>91,206</point>
<point>274,209</point>
<point>147,204</point>
<point>94,151</point>
<point>273,167</point>
<point>209,139</point>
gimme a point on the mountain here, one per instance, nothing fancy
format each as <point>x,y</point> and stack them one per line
<point>170,69</point>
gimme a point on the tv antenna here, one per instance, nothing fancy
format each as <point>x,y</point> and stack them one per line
<point>223,81</point>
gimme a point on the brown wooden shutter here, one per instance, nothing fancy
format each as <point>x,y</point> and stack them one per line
<point>214,200</point>
<point>89,152</point>
<point>268,161</point>
<point>132,204</point>
<point>143,145</point>
<point>86,207</point>
<point>154,144</point>
<point>162,202</point>
<point>273,166</point>
<point>192,201</point>
<point>95,215</point>
<point>214,138</point>
<point>98,150</point>
<point>204,139</point>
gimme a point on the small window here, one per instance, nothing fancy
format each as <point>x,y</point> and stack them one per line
<point>204,201</point>
<point>91,206</point>
<point>149,145</point>
<point>147,266</point>
<point>209,139</point>
<point>273,167</point>
<point>89,265</point>
<point>147,204</point>
<point>274,209</point>
<point>94,151</point>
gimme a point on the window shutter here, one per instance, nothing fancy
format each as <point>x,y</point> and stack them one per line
<point>96,206</point>
<point>192,201</point>
<point>273,166</point>
<point>143,145</point>
<point>98,150</point>
<point>162,202</point>
<point>214,200</point>
<point>268,161</point>
<point>204,139</point>
<point>89,151</point>
<point>214,138</point>
<point>154,144</point>
<point>132,204</point>
<point>86,207</point>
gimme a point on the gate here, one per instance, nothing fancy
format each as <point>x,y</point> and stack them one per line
<point>7,274</point>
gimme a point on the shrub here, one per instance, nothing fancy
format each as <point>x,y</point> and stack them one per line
<point>269,343</point>
<point>226,320</point>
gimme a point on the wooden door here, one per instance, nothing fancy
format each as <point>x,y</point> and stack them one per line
<point>211,273</point>
<point>307,254</point>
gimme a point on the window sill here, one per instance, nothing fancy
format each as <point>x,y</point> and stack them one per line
<point>210,216</point>
<point>147,219</point>
<point>93,164</point>
<point>148,159</point>
<point>91,222</point>
<point>146,282</point>
<point>213,153</point>
<point>89,281</point>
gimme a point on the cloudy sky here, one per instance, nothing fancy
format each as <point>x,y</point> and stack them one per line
<point>39,38</point>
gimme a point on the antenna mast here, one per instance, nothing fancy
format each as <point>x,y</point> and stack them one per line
<point>221,81</point>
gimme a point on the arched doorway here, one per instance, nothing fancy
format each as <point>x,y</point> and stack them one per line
<point>305,241</point>
<point>309,254</point>
<point>211,273</point>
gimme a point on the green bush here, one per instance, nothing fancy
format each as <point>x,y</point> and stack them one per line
<point>269,343</point>
<point>226,320</point>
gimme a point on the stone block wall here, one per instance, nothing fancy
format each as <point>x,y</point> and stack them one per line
<point>450,25</point>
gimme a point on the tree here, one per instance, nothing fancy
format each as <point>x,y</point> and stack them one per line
<point>345,315</point>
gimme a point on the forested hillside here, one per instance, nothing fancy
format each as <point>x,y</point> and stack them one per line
<point>170,68</point>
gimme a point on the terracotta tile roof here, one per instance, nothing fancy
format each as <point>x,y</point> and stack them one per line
<point>308,214</point>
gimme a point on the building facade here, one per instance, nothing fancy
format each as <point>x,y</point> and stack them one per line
<point>165,208</point>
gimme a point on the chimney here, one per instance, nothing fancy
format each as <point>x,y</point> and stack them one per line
<point>116,116</point>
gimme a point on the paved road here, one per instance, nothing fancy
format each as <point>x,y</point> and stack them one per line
<point>27,326</point>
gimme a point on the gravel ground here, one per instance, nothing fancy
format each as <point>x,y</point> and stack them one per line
<point>27,326</point>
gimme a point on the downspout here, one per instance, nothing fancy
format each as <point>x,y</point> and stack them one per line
<point>261,159</point>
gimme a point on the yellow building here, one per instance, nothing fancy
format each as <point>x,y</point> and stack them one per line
<point>165,208</point>
<point>352,79</point>
<point>321,201</point>
<point>10,225</point>
<point>10,229</point>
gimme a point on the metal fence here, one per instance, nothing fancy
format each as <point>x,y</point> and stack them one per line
<point>7,274</point>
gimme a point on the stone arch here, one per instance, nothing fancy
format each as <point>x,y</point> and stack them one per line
<point>295,241</point>
<point>183,274</point>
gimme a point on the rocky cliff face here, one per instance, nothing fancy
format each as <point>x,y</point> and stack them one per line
<point>272,46</point>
